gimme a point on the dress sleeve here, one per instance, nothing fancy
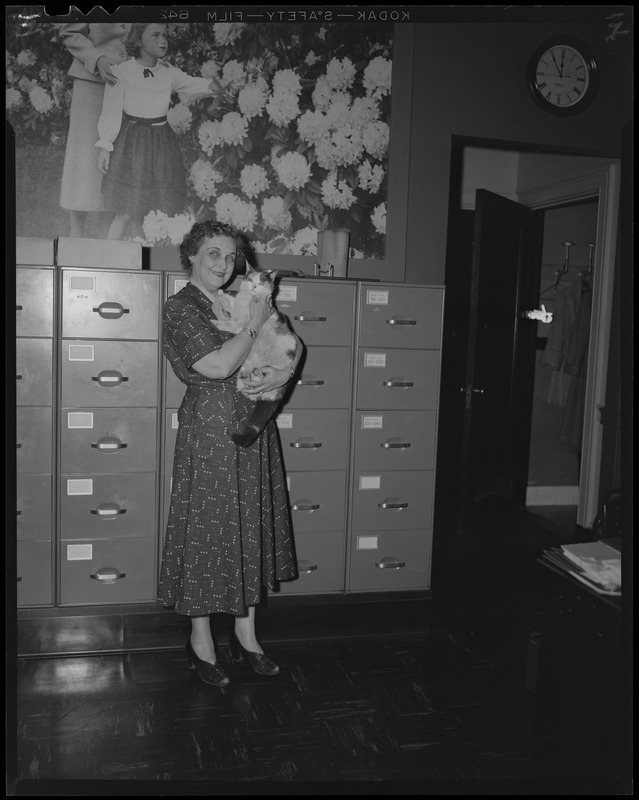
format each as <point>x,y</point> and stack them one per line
<point>76,40</point>
<point>111,117</point>
<point>188,336</point>
<point>186,84</point>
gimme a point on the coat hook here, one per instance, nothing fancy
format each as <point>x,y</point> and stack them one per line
<point>561,272</point>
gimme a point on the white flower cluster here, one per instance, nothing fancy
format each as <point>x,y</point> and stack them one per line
<point>253,180</point>
<point>158,227</point>
<point>293,170</point>
<point>336,194</point>
<point>275,215</point>
<point>179,118</point>
<point>26,58</point>
<point>283,104</point>
<point>210,69</point>
<point>370,176</point>
<point>377,77</point>
<point>252,98</point>
<point>204,178</point>
<point>228,32</point>
<point>231,209</point>
<point>233,75</point>
<point>378,218</point>
<point>40,99</point>
<point>13,98</point>
<point>232,129</point>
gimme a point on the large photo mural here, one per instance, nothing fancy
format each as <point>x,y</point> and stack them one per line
<point>280,129</point>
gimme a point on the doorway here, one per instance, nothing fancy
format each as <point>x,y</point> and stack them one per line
<point>565,290</point>
<point>543,182</point>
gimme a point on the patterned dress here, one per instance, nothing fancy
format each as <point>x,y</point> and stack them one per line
<point>229,531</point>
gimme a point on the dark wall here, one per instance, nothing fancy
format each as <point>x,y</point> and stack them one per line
<point>470,80</point>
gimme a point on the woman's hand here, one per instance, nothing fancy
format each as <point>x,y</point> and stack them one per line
<point>103,160</point>
<point>103,65</point>
<point>272,378</point>
<point>260,309</point>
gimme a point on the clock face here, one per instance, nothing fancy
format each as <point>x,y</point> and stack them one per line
<point>562,77</point>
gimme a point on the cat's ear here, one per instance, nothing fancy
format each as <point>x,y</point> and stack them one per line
<point>272,273</point>
<point>249,269</point>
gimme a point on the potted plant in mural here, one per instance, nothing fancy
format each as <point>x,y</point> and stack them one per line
<point>298,141</point>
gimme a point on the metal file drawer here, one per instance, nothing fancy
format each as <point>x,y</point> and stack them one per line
<point>34,506</point>
<point>174,388</point>
<point>390,561</point>
<point>399,379</point>
<point>325,380</point>
<point>34,573</point>
<point>395,440</point>
<point>109,373</point>
<point>317,500</point>
<point>321,313</point>
<point>107,572</point>
<point>110,305</point>
<point>400,316</point>
<point>314,440</point>
<point>34,302</point>
<point>34,439</point>
<point>107,506</point>
<point>392,500</point>
<point>108,440</point>
<point>34,372</point>
<point>320,560</point>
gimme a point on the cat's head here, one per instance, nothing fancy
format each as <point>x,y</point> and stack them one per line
<point>258,281</point>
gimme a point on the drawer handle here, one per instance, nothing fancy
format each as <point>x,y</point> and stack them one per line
<point>394,445</point>
<point>399,384</point>
<point>18,513</point>
<point>18,308</point>
<point>401,321</point>
<point>19,578</point>
<point>308,382</point>
<point>111,310</point>
<point>18,377</point>
<point>388,504</point>
<point>303,318</point>
<point>302,445</point>
<point>390,563</point>
<point>305,506</point>
<point>18,445</point>
<point>108,444</point>
<point>109,377</point>
<point>108,510</point>
<point>306,566</point>
<point>108,575</point>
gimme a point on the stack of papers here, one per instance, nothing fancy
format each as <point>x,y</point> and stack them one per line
<point>596,564</point>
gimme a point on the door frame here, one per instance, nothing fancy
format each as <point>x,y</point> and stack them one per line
<point>603,185</point>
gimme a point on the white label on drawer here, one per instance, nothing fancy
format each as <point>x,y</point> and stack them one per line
<point>179,285</point>
<point>174,420</point>
<point>81,283</point>
<point>80,419</point>
<point>370,482</point>
<point>376,297</point>
<point>284,420</point>
<point>372,422</point>
<point>367,542</point>
<point>79,552</point>
<point>80,486</point>
<point>287,294</point>
<point>288,482</point>
<point>374,359</point>
<point>81,352</point>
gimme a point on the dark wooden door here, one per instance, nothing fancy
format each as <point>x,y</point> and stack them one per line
<point>500,356</point>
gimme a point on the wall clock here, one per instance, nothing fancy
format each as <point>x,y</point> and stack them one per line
<point>563,75</point>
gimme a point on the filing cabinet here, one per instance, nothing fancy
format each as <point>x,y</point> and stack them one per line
<point>109,435</point>
<point>35,430</point>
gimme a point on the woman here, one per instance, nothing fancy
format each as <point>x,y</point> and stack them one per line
<point>228,532</point>
<point>95,48</point>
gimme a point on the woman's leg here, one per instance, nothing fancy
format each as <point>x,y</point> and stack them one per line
<point>245,631</point>
<point>77,221</point>
<point>202,638</point>
<point>119,226</point>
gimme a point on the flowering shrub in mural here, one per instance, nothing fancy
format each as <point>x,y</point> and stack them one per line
<point>297,141</point>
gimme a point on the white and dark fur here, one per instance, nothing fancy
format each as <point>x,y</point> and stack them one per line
<point>274,346</point>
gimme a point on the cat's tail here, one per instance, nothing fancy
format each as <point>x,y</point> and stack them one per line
<point>260,415</point>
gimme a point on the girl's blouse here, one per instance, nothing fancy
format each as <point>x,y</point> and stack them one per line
<point>142,96</point>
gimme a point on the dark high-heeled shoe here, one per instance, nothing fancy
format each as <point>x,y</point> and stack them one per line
<point>261,664</point>
<point>212,674</point>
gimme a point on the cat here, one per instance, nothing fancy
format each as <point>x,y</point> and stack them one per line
<point>275,346</point>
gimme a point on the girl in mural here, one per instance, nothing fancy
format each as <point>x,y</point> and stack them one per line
<point>95,48</point>
<point>139,153</point>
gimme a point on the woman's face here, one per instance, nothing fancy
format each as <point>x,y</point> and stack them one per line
<point>213,264</point>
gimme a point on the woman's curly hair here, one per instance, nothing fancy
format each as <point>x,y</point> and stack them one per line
<point>206,230</point>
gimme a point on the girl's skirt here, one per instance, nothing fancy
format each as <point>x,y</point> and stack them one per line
<point>146,170</point>
<point>81,178</point>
